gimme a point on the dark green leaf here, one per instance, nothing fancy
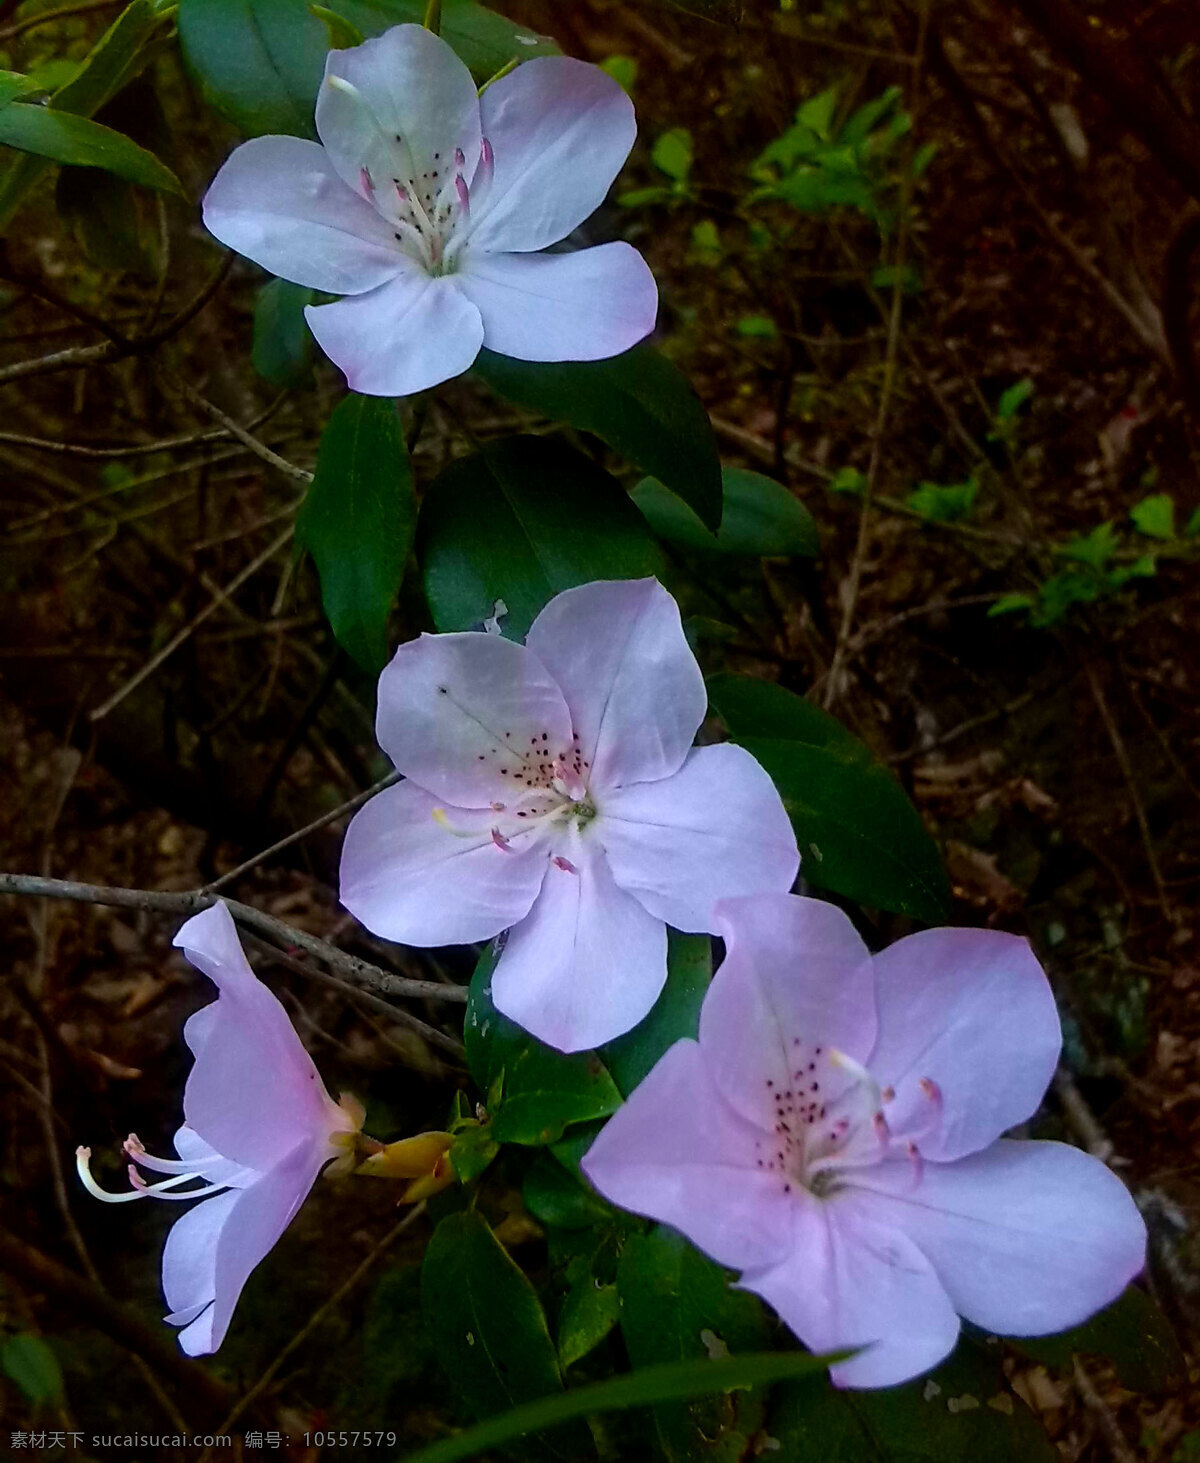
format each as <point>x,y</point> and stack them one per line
<point>677,1305</point>
<point>638,402</point>
<point>260,62</point>
<point>760,518</point>
<point>559,1199</point>
<point>589,1312</point>
<point>859,835</point>
<point>486,1322</point>
<point>1132,1333</point>
<point>541,1090</point>
<point>675,1014</point>
<point>116,58</point>
<point>28,1362</point>
<point>671,1382</point>
<point>473,1150</point>
<point>14,84</point>
<point>282,347</point>
<point>64,138</point>
<point>520,521</point>
<point>357,521</point>
<point>944,504</point>
<point>963,1412</point>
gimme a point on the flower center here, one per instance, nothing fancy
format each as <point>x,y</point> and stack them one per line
<point>429,210</point>
<point>829,1120</point>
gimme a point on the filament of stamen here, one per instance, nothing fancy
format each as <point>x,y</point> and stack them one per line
<point>149,1191</point>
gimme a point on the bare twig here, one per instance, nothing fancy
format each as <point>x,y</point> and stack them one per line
<point>172,645</point>
<point>349,806</point>
<point>287,937</point>
<point>235,429</point>
<point>323,1310</point>
<point>1108,1424</point>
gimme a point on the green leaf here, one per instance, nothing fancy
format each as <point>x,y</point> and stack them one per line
<point>121,52</point>
<point>639,403</point>
<point>672,154</point>
<point>677,1305</point>
<point>590,1311</point>
<point>1012,400</point>
<point>342,35</point>
<point>944,504</point>
<point>1192,527</point>
<point>760,518</point>
<point>675,1014</point>
<point>859,835</point>
<point>675,1381</point>
<point>14,84</point>
<point>558,1198</point>
<point>486,1322</point>
<point>1009,604</point>
<point>1132,1333</point>
<point>282,346</point>
<point>260,62</point>
<point>622,69</point>
<point>1155,516</point>
<point>963,1412</point>
<point>472,1152</point>
<point>1094,549</point>
<point>519,521</point>
<point>64,138</point>
<point>542,1091</point>
<point>357,521</point>
<point>29,1363</point>
<point>848,480</point>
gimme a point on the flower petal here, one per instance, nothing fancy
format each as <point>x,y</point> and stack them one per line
<point>1027,1238</point>
<point>851,1282</point>
<point>407,335</point>
<point>256,1219</point>
<point>471,717</point>
<point>635,692</point>
<point>584,306</point>
<point>409,877</point>
<point>409,82</point>
<point>587,962</point>
<point>189,1271</point>
<point>715,828</point>
<point>560,130</point>
<point>278,201</point>
<point>253,1093</point>
<point>972,1011</point>
<point>678,1153</point>
<point>796,976</point>
<point>208,1163</point>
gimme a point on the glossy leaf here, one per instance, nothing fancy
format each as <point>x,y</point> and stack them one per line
<point>639,403</point>
<point>27,1361</point>
<point>760,518</point>
<point>62,137</point>
<point>121,52</point>
<point>1132,1333</point>
<point>677,1305</point>
<point>590,1311</point>
<point>675,1014</point>
<point>357,521</point>
<point>519,521</point>
<point>560,1199</point>
<point>673,1381</point>
<point>260,62</point>
<point>859,834</point>
<point>13,84</point>
<point>282,346</point>
<point>541,1091</point>
<point>962,1412</point>
<point>486,1322</point>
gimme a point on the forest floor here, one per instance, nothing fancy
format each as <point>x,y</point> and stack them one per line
<point>1057,763</point>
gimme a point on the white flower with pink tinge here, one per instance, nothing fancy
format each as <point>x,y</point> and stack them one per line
<point>553,791</point>
<point>835,1135</point>
<point>425,204</point>
<point>258,1128</point>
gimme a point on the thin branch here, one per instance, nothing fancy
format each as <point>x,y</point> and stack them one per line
<point>172,645</point>
<point>235,429</point>
<point>287,937</point>
<point>323,1310</point>
<point>349,806</point>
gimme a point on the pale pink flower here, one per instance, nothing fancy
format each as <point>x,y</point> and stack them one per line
<point>835,1136</point>
<point>425,205</point>
<point>258,1128</point>
<point>552,790</point>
